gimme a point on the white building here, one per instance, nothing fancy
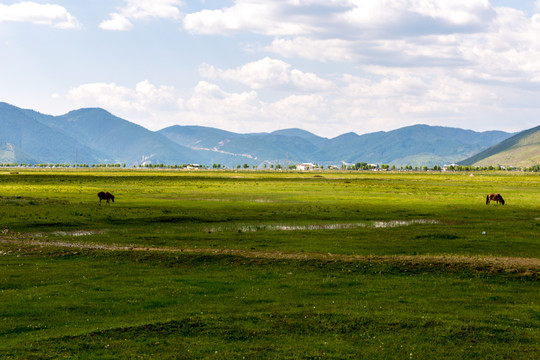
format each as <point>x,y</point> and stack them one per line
<point>447,167</point>
<point>305,166</point>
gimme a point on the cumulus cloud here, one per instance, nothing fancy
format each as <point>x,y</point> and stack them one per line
<point>268,73</point>
<point>42,14</point>
<point>356,18</point>
<point>404,18</point>
<point>313,111</point>
<point>335,50</point>
<point>247,15</point>
<point>141,10</point>
<point>470,37</point>
<point>411,32</point>
<point>116,22</point>
<point>243,112</point>
<point>211,99</point>
<point>509,52</point>
<point>383,98</point>
<point>144,97</point>
<point>156,107</point>
<point>409,61</point>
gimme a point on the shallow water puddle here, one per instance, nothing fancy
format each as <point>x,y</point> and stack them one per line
<point>284,227</point>
<point>69,233</point>
<point>235,200</point>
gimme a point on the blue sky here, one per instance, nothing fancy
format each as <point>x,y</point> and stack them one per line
<point>326,66</point>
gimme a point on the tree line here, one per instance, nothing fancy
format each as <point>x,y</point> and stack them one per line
<point>359,166</point>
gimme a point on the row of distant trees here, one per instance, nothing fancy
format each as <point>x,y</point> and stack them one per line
<point>358,166</point>
<point>365,166</point>
<point>59,165</point>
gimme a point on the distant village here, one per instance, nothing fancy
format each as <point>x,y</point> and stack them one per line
<point>361,166</point>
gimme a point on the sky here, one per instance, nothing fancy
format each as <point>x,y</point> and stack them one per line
<point>326,66</point>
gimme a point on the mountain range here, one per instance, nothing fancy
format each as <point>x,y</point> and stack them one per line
<point>520,150</point>
<point>95,136</point>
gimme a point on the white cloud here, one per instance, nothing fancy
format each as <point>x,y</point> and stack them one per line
<point>268,73</point>
<point>246,15</point>
<point>123,98</point>
<point>458,12</point>
<point>470,37</point>
<point>301,111</point>
<point>110,96</point>
<point>211,99</point>
<point>244,112</point>
<point>460,63</point>
<point>42,14</point>
<point>353,18</point>
<point>145,104</point>
<point>508,53</point>
<point>141,10</point>
<point>410,33</point>
<point>209,105</point>
<point>336,50</point>
<point>397,18</point>
<point>383,98</point>
<point>155,107</point>
<point>116,22</point>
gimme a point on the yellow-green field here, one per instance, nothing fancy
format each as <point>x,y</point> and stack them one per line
<point>217,264</point>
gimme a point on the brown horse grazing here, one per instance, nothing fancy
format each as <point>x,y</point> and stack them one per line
<point>105,196</point>
<point>495,197</point>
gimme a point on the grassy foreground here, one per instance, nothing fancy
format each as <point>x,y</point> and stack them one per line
<point>269,265</point>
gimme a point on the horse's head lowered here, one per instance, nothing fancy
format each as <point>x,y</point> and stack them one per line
<point>495,197</point>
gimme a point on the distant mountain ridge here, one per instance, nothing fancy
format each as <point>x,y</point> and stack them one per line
<point>119,140</point>
<point>41,143</point>
<point>414,145</point>
<point>95,136</point>
<point>12,154</point>
<point>520,150</point>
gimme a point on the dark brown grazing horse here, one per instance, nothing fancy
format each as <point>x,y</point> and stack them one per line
<point>495,197</point>
<point>105,196</point>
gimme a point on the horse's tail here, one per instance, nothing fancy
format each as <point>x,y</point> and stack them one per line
<point>487,199</point>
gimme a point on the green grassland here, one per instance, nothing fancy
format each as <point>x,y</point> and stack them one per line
<point>269,265</point>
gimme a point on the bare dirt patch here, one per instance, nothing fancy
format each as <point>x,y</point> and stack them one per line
<point>521,266</point>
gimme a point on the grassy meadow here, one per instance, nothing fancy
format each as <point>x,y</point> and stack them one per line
<point>268,265</point>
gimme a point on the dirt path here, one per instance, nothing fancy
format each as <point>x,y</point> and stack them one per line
<point>525,266</point>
